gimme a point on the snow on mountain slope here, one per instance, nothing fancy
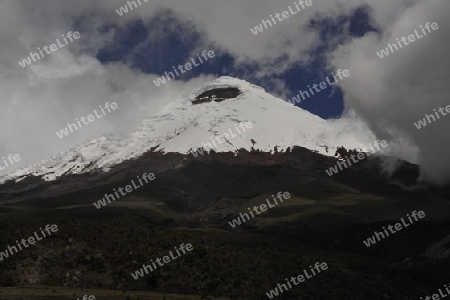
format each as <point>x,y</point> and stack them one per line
<point>183,127</point>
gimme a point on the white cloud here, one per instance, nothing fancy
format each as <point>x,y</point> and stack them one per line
<point>389,94</point>
<point>394,92</point>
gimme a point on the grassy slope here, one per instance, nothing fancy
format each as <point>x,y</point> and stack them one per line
<point>323,221</point>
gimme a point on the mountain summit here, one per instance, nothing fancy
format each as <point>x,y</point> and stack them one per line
<point>197,118</point>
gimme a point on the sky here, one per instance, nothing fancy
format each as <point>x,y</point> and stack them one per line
<point>118,57</point>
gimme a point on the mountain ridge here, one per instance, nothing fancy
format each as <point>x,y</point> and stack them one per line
<point>182,127</point>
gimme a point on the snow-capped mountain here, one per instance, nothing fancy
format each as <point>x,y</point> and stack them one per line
<point>183,127</point>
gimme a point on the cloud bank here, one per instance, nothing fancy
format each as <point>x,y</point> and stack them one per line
<point>393,93</point>
<point>388,94</point>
